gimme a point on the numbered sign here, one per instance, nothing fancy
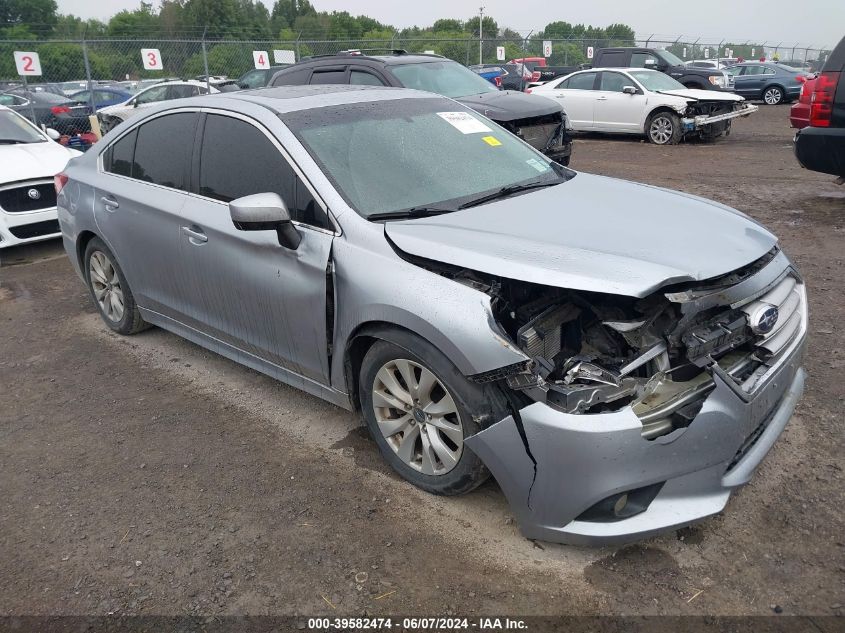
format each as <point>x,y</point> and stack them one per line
<point>500,53</point>
<point>261,59</point>
<point>547,48</point>
<point>152,59</point>
<point>706,53</point>
<point>589,52</point>
<point>727,52</point>
<point>685,51</point>
<point>753,52</point>
<point>27,63</point>
<point>284,57</point>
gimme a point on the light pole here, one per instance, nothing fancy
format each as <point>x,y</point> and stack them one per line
<point>480,32</point>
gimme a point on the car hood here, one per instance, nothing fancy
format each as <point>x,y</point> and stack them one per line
<point>510,105</point>
<point>591,233</point>
<point>703,95</point>
<point>32,160</point>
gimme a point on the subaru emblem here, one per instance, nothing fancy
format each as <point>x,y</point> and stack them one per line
<point>763,319</point>
<point>33,194</point>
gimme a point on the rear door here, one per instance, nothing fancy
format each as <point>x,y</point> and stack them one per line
<point>617,111</point>
<point>577,95</point>
<point>242,287</point>
<point>138,202</point>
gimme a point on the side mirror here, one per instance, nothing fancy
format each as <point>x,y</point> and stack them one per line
<point>51,133</point>
<point>265,212</point>
<point>629,90</point>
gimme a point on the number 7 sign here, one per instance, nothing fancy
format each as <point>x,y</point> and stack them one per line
<point>152,59</point>
<point>27,63</point>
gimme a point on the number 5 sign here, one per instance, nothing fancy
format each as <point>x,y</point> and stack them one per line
<point>27,63</point>
<point>152,59</point>
<point>261,59</point>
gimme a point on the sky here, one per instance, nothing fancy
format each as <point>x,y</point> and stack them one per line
<point>820,23</point>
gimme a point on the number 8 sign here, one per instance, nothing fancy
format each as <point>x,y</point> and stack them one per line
<point>27,63</point>
<point>152,59</point>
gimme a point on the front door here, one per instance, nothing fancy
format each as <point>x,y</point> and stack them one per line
<point>242,287</point>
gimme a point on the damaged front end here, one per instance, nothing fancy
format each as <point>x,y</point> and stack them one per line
<point>710,119</point>
<point>549,134</point>
<point>634,415</point>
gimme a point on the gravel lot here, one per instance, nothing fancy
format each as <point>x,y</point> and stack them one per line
<point>145,475</point>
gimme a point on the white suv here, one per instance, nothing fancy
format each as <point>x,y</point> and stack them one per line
<point>29,159</point>
<point>113,116</point>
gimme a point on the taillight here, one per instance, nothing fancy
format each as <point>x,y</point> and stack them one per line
<point>498,81</point>
<point>821,103</point>
<point>800,79</point>
<point>535,76</point>
<point>528,90</point>
<point>59,181</point>
<point>60,109</point>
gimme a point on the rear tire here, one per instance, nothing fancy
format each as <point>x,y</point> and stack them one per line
<point>419,409</point>
<point>110,290</point>
<point>664,128</point>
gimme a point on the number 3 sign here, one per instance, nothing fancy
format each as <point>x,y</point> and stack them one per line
<point>27,63</point>
<point>152,59</point>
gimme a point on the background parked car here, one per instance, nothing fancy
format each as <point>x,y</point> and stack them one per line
<point>538,121</point>
<point>665,62</point>
<point>29,159</point>
<point>58,112</point>
<point>259,77</point>
<point>799,113</point>
<point>112,116</point>
<point>821,145</point>
<point>103,97</point>
<point>641,101</point>
<point>491,73</point>
<point>773,83</point>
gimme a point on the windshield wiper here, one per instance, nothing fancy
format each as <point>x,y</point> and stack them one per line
<point>413,212</point>
<point>504,192</point>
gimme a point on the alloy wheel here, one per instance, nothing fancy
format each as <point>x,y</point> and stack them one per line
<point>773,96</point>
<point>660,130</point>
<point>106,286</point>
<point>417,416</point>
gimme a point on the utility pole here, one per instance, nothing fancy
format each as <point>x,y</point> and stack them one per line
<point>480,33</point>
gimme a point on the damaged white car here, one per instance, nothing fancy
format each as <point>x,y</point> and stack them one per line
<point>619,356</point>
<point>644,102</point>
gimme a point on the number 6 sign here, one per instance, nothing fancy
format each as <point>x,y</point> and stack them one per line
<point>152,59</point>
<point>27,63</point>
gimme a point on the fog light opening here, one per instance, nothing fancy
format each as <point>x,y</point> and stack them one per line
<point>620,504</point>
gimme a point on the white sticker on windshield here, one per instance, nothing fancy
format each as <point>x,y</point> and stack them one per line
<point>536,164</point>
<point>464,122</point>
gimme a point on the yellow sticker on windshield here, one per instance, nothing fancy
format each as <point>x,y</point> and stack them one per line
<point>491,140</point>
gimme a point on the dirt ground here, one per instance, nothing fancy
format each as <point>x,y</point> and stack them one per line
<point>146,475</point>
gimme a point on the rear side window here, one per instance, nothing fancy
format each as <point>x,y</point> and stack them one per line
<point>584,81</point>
<point>163,150</point>
<point>329,77</point>
<point>237,159</point>
<point>118,158</point>
<point>182,92</point>
<point>613,59</point>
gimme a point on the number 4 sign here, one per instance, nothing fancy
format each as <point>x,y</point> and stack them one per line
<point>152,59</point>
<point>261,59</point>
<point>27,63</point>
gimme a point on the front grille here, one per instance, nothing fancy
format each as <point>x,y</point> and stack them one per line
<point>36,229</point>
<point>32,197</point>
<point>788,297</point>
<point>540,132</point>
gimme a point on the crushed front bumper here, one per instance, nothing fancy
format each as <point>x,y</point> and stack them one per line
<point>553,466</point>
<point>703,120</point>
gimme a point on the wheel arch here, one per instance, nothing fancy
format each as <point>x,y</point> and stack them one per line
<point>82,241</point>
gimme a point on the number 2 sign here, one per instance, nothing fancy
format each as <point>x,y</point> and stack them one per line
<point>27,63</point>
<point>151,58</point>
<point>261,59</point>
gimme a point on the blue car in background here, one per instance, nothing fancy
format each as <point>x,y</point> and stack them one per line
<point>770,82</point>
<point>102,97</point>
<point>491,73</point>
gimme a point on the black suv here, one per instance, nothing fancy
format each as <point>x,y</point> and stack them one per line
<point>821,146</point>
<point>538,121</point>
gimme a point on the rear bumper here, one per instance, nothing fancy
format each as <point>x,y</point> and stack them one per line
<point>821,149</point>
<point>553,466</point>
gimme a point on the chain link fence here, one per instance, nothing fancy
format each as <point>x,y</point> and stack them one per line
<point>120,59</point>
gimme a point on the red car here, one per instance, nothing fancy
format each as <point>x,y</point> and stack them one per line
<point>799,113</point>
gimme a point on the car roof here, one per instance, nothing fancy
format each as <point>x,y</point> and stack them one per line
<point>284,99</point>
<point>388,60</point>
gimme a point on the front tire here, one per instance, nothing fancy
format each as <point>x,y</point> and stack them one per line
<point>110,290</point>
<point>419,409</point>
<point>664,128</point>
<point>773,95</point>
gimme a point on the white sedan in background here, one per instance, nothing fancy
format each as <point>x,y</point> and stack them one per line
<point>29,158</point>
<point>112,116</point>
<point>643,102</point>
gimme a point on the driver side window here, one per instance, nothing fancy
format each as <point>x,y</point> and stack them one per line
<point>643,60</point>
<point>614,82</point>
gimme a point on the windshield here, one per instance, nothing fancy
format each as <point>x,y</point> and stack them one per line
<point>671,58</point>
<point>446,78</point>
<point>15,129</point>
<point>654,80</point>
<point>388,156</point>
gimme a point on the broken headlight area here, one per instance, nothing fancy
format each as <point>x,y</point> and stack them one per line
<point>595,353</point>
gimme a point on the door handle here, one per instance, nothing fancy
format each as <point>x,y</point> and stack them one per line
<point>195,235</point>
<point>601,99</point>
<point>110,203</point>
